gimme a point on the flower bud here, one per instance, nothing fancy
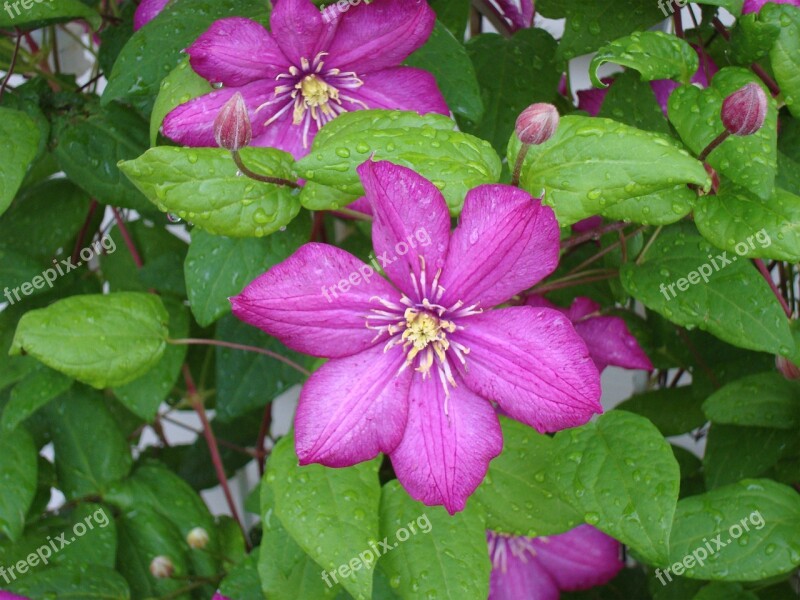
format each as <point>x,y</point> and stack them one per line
<point>197,538</point>
<point>537,123</point>
<point>161,567</point>
<point>744,111</point>
<point>787,368</point>
<point>232,128</point>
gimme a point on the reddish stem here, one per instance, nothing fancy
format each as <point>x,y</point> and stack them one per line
<point>84,229</point>
<point>264,351</point>
<point>762,268</point>
<point>266,421</point>
<point>127,239</point>
<point>594,234</point>
<point>12,65</point>
<point>713,145</point>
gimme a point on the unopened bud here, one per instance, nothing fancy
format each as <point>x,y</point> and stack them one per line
<point>232,128</point>
<point>744,111</point>
<point>161,567</point>
<point>197,538</point>
<point>537,123</point>
<point>787,368</point>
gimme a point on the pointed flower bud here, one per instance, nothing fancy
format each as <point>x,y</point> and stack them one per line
<point>537,123</point>
<point>787,368</point>
<point>197,538</point>
<point>232,128</point>
<point>161,567</point>
<point>744,111</point>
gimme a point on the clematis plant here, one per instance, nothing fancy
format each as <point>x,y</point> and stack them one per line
<point>399,299</point>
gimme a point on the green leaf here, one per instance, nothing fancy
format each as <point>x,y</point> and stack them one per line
<point>202,185</point>
<point>17,270</point>
<point>749,161</point>
<point>88,149</point>
<point>322,197</point>
<point>673,410</point>
<point>735,453</point>
<point>770,547</point>
<point>633,102</point>
<point>286,571</point>
<point>752,38</point>
<point>74,582</point>
<point>593,23</point>
<point>655,54</point>
<point>443,556</point>
<point>18,477</point>
<point>446,58</point>
<point>219,267</point>
<point>102,340</point>
<point>156,49</point>
<point>724,591</point>
<point>621,473</point>
<point>242,582</point>
<point>19,128</point>
<point>663,207</point>
<point>590,164</point>
<point>785,54</point>
<point>741,222</point>
<point>517,494</point>
<point>512,73</point>
<point>180,86</point>
<point>736,304</point>
<point>332,514</point>
<point>41,12</point>
<point>455,162</point>
<point>248,380</point>
<point>144,395</point>
<point>91,452</point>
<point>763,400</point>
<point>37,389</point>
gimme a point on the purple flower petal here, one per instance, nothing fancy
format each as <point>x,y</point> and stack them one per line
<point>298,29</point>
<point>587,224</point>
<point>448,443</point>
<point>370,37</point>
<point>298,301</point>
<point>533,364</point>
<point>217,596</point>
<point>398,88</point>
<point>147,11</point>
<point>516,574</point>
<point>505,242</point>
<point>756,5</point>
<point>591,100</point>
<point>192,123</point>
<point>283,134</point>
<point>353,408</point>
<point>579,559</point>
<point>663,88</point>
<point>411,228</point>
<point>236,51</point>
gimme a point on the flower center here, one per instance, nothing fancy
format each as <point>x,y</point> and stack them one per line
<point>314,94</point>
<point>427,334</point>
<point>502,546</point>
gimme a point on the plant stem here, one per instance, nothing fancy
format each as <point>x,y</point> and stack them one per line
<point>677,19</point>
<point>222,442</point>
<point>575,279</point>
<point>594,234</point>
<point>523,152</point>
<point>12,65</point>
<point>650,242</point>
<point>137,260</point>
<point>762,268</point>
<point>213,449</point>
<point>768,81</point>
<point>264,351</point>
<point>604,251</point>
<point>266,421</point>
<point>494,16</point>
<point>257,176</point>
<point>84,229</point>
<point>714,143</point>
<point>353,214</point>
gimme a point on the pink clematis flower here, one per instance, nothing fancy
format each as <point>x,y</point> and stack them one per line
<point>608,338</point>
<point>518,13</point>
<point>540,568</point>
<point>10,596</point>
<point>147,11</point>
<point>751,6</point>
<point>416,360</point>
<point>591,100</point>
<point>217,596</point>
<point>308,70</point>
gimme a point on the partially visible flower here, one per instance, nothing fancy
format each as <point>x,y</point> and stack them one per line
<point>588,224</point>
<point>518,13</point>
<point>232,129</point>
<point>609,341</point>
<point>751,6</point>
<point>787,368</point>
<point>416,360</point>
<point>540,568</point>
<point>161,567</point>
<point>537,123</point>
<point>591,100</point>
<point>197,538</point>
<point>744,111</point>
<point>305,71</point>
<point>219,596</point>
<point>10,596</point>
<point>147,11</point>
